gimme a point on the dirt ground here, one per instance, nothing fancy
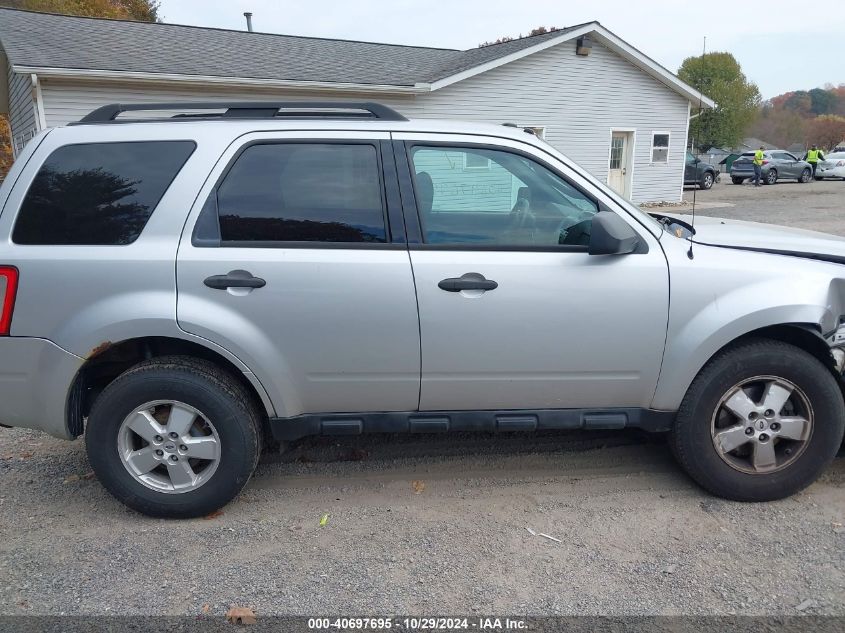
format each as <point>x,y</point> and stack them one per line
<point>437,525</point>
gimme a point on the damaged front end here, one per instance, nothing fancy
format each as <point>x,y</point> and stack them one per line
<point>836,341</point>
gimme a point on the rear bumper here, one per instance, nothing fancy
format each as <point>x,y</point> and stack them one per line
<point>830,172</point>
<point>35,377</point>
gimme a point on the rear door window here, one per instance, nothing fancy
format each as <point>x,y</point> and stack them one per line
<point>98,193</point>
<point>303,192</point>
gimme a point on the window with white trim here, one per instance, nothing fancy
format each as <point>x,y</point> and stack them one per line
<point>476,161</point>
<point>660,147</point>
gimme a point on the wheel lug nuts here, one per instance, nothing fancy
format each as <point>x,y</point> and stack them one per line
<point>159,452</point>
<point>753,415</point>
<point>749,431</point>
<point>173,435</point>
<point>769,413</point>
<point>173,458</point>
<point>158,438</point>
<point>775,426</point>
<point>183,448</point>
<point>763,437</point>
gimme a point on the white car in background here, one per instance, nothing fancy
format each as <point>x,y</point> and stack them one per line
<point>833,166</point>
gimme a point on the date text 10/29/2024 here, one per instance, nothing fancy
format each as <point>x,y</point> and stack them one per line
<point>418,624</point>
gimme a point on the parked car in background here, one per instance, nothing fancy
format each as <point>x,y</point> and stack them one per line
<point>697,172</point>
<point>777,164</point>
<point>833,166</point>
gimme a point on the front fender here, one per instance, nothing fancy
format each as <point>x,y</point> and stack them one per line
<point>723,294</point>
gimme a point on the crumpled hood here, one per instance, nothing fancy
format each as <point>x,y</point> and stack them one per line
<point>768,238</point>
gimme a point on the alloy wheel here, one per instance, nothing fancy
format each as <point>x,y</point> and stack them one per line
<point>762,424</point>
<point>169,446</point>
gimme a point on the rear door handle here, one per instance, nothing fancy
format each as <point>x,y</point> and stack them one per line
<point>234,279</point>
<point>468,281</point>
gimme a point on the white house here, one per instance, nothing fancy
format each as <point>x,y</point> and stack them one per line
<point>586,91</point>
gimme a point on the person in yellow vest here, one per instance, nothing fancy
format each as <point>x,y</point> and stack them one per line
<point>813,156</point>
<point>758,166</point>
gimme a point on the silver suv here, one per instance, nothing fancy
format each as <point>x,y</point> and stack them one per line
<point>186,289</point>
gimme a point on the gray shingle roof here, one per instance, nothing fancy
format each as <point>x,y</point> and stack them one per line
<point>57,41</point>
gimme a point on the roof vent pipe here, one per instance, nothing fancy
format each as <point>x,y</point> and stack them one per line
<point>248,16</point>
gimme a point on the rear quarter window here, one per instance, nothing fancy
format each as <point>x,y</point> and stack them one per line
<point>96,194</point>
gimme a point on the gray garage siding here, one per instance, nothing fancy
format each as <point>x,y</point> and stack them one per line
<point>21,109</point>
<point>578,100</point>
<point>67,101</point>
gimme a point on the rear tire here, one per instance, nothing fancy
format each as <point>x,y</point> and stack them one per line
<point>805,176</point>
<point>737,181</point>
<point>205,464</point>
<point>771,178</point>
<point>707,180</point>
<point>706,420</point>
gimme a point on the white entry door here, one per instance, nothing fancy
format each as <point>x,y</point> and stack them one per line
<point>618,176</point>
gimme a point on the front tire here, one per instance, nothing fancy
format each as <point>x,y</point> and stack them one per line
<point>771,177</point>
<point>760,422</point>
<point>805,176</point>
<point>174,437</point>
<point>707,180</point>
<point>737,181</point>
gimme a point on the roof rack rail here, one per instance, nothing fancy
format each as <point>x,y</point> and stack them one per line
<point>248,110</point>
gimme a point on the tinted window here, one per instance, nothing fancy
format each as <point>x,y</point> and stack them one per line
<point>515,202</point>
<point>98,193</point>
<point>292,192</point>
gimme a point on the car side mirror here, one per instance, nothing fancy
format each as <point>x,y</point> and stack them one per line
<point>611,235</point>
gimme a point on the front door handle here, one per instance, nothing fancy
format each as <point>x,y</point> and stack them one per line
<point>234,279</point>
<point>468,281</point>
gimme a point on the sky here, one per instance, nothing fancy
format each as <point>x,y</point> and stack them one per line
<point>781,45</point>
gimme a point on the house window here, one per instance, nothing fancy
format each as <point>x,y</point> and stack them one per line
<point>473,160</point>
<point>660,147</point>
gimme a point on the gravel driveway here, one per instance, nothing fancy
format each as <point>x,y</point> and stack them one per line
<point>437,525</point>
<point>415,526</point>
<point>818,205</point>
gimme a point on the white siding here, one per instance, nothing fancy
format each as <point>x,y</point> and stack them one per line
<point>577,99</point>
<point>70,101</point>
<point>21,110</point>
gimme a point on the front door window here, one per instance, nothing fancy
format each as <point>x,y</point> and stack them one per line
<point>512,201</point>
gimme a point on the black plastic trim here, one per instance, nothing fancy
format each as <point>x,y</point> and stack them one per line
<point>392,195</point>
<point>286,429</point>
<point>413,228</point>
<point>75,400</point>
<point>833,259</point>
<point>248,110</point>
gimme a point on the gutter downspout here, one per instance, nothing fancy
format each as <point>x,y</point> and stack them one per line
<point>38,103</point>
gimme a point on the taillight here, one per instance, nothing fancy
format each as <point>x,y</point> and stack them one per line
<point>9,275</point>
